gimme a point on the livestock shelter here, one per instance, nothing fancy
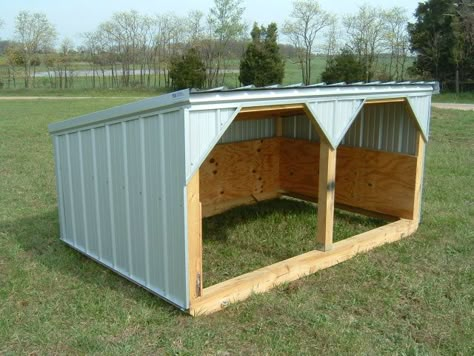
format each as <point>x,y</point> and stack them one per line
<point>135,181</point>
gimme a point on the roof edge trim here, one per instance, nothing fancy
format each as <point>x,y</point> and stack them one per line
<point>162,102</point>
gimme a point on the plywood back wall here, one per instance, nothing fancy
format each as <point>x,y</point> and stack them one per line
<point>241,172</point>
<point>378,181</point>
<point>245,172</point>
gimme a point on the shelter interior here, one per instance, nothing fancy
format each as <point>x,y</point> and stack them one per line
<point>275,151</point>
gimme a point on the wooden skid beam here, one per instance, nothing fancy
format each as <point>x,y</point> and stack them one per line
<point>219,296</point>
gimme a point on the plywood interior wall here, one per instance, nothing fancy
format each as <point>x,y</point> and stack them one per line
<point>246,172</point>
<point>239,173</point>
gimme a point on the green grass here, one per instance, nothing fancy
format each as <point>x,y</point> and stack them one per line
<point>285,228</point>
<point>462,98</point>
<point>409,298</point>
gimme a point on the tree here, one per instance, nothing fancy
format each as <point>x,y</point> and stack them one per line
<point>344,67</point>
<point>188,71</point>
<point>35,34</point>
<point>365,34</point>
<point>308,21</point>
<point>224,24</point>
<point>442,40</point>
<point>396,41</point>
<point>262,63</point>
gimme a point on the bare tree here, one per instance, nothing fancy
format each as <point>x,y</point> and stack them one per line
<point>396,40</point>
<point>365,35</point>
<point>34,34</point>
<point>195,27</point>
<point>332,38</point>
<point>224,25</point>
<point>308,20</point>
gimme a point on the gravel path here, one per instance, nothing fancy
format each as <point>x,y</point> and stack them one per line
<point>454,106</point>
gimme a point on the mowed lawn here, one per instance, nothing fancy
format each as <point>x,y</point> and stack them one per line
<point>412,297</point>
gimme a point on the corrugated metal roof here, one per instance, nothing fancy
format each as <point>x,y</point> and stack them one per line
<point>433,84</point>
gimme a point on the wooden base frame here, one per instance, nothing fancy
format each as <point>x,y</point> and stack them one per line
<point>220,295</point>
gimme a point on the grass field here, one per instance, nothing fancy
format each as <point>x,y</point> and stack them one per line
<point>414,297</point>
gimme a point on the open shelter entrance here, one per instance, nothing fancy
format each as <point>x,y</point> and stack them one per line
<point>274,151</point>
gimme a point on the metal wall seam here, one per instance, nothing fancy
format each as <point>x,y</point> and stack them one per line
<point>145,203</point>
<point>111,197</point>
<point>127,197</point>
<point>83,193</point>
<point>71,195</point>
<point>164,206</point>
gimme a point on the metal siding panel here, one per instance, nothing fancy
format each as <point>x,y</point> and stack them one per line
<point>204,129</point>
<point>59,185</point>
<point>74,158</point>
<point>421,107</point>
<point>174,172</point>
<point>137,242</point>
<point>384,127</point>
<point>68,203</point>
<point>88,180</point>
<point>106,225</point>
<point>156,204</point>
<point>119,195</point>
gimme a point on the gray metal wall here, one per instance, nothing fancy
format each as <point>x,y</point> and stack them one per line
<point>299,127</point>
<point>121,194</point>
<point>249,130</point>
<point>384,127</point>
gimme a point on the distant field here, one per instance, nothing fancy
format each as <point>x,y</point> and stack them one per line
<point>413,297</point>
<point>292,74</point>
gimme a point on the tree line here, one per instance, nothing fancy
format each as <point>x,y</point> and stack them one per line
<point>137,50</point>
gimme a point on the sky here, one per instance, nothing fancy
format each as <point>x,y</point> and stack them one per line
<point>72,18</point>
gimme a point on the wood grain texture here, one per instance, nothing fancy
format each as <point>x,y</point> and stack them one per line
<point>327,184</point>
<point>219,296</point>
<point>420,157</point>
<point>239,172</point>
<point>194,239</point>
<point>377,181</point>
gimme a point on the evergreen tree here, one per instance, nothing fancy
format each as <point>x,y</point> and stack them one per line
<point>344,67</point>
<point>188,71</point>
<point>442,39</point>
<point>262,63</point>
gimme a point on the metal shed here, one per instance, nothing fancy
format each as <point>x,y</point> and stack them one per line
<point>135,181</point>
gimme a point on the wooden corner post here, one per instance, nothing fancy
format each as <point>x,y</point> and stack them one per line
<point>327,186</point>
<point>194,238</point>
<point>420,158</point>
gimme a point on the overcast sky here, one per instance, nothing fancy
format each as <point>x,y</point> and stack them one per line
<point>72,17</point>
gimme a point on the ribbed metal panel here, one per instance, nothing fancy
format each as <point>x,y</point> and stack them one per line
<point>248,130</point>
<point>421,106</point>
<point>203,129</point>
<point>122,199</point>
<point>335,117</point>
<point>299,127</point>
<point>386,127</point>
